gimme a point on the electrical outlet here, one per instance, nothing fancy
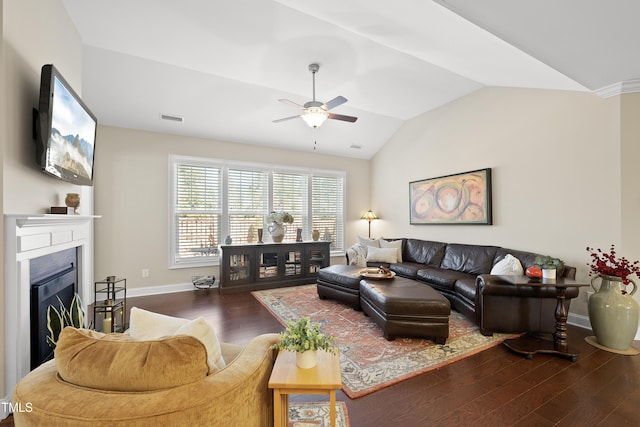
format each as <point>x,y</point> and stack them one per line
<point>145,272</point>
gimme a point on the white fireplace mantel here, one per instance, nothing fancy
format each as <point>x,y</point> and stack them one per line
<point>28,237</point>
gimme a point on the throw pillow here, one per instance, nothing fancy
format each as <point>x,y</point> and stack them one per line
<point>388,255</point>
<point>369,242</point>
<point>200,329</point>
<point>509,265</point>
<point>393,244</point>
<point>117,362</point>
<point>147,325</point>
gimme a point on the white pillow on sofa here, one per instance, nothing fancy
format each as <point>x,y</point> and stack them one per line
<point>369,242</point>
<point>147,325</point>
<point>389,255</point>
<point>509,266</point>
<point>393,244</point>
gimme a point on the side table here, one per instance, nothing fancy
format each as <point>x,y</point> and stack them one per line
<point>528,345</point>
<point>286,378</point>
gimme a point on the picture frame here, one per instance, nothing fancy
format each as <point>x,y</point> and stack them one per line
<point>461,198</point>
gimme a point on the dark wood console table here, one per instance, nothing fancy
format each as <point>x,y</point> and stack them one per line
<point>528,345</point>
<point>256,266</point>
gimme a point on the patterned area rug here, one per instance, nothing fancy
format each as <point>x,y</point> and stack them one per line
<point>368,361</point>
<point>316,414</point>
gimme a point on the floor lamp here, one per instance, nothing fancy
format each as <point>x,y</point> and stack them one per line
<point>369,216</point>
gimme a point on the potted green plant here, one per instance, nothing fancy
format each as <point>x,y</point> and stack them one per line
<point>57,320</point>
<point>305,339</point>
<point>549,265</point>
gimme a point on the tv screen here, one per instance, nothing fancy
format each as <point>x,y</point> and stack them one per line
<point>65,130</point>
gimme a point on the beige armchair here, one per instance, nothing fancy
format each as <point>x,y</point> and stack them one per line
<point>237,395</point>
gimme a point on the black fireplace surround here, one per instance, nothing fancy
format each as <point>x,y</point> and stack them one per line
<point>51,275</point>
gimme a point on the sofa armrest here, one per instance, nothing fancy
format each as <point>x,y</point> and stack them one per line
<point>502,306</point>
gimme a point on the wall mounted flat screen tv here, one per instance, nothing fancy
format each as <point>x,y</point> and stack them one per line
<point>64,129</point>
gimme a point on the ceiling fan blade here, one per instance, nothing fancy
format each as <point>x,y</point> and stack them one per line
<point>342,117</point>
<point>338,100</point>
<point>285,119</point>
<point>293,104</point>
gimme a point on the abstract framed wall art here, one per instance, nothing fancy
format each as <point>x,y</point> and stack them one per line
<point>463,198</point>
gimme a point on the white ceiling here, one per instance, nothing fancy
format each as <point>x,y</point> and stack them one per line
<point>223,65</point>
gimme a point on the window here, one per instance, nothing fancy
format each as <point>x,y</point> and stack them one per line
<point>248,195</point>
<point>212,199</point>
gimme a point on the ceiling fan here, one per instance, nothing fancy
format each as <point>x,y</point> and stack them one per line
<point>314,113</point>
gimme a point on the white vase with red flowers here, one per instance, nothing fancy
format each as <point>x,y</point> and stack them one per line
<point>613,312</point>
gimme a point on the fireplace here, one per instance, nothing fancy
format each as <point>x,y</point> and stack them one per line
<point>53,277</point>
<point>28,238</point>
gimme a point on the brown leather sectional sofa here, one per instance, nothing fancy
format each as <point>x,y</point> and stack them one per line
<point>460,272</point>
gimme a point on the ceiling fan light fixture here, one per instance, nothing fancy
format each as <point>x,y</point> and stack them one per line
<point>315,116</point>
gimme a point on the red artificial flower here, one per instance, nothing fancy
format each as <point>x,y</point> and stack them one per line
<point>609,265</point>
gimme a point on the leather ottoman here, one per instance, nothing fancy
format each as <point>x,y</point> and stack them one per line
<point>404,307</point>
<point>340,282</point>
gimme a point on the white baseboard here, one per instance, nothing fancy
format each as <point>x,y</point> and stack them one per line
<point>162,289</point>
<point>579,320</point>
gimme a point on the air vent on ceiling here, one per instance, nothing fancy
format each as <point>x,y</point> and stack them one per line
<point>355,146</point>
<point>172,118</point>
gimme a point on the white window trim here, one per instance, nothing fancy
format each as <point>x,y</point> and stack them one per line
<point>225,165</point>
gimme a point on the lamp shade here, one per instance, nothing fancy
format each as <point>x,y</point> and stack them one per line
<point>369,215</point>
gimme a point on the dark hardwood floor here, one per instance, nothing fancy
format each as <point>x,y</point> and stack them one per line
<point>492,388</point>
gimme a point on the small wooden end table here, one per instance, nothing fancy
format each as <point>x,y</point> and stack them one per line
<point>528,345</point>
<point>286,378</point>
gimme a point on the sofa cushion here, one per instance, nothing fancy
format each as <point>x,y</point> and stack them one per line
<point>472,259</point>
<point>509,265</point>
<point>466,288</point>
<point>423,251</point>
<point>117,362</point>
<point>407,269</point>
<point>387,255</point>
<point>443,279</point>
<point>147,325</point>
<point>527,259</point>
<point>393,244</point>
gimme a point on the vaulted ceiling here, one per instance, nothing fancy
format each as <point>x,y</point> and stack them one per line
<point>223,65</point>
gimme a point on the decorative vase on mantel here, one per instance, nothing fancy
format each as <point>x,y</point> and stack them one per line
<point>306,359</point>
<point>72,200</point>
<point>612,313</point>
<point>277,231</point>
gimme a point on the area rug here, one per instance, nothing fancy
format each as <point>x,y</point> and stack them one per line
<point>316,414</point>
<point>367,360</point>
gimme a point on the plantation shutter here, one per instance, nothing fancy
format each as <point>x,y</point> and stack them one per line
<point>327,205</point>
<point>197,211</point>
<point>248,201</point>
<point>290,194</point>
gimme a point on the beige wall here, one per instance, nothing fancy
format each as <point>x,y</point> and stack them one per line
<point>132,188</point>
<point>555,167</point>
<point>34,33</point>
<point>629,157</point>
